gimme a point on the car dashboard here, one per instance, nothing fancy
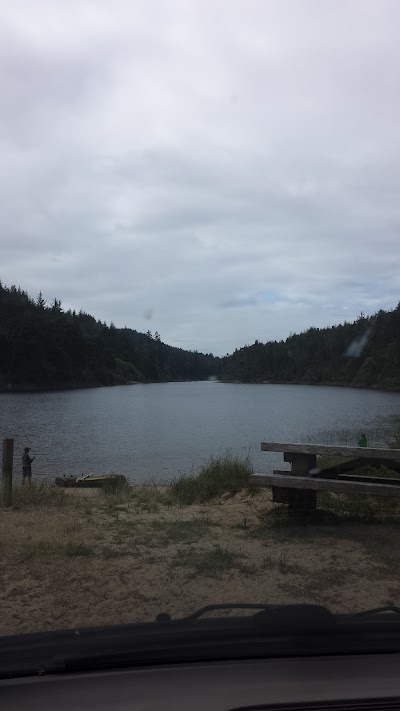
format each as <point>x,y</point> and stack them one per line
<point>350,682</point>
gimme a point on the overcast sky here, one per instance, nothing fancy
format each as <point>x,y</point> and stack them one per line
<point>219,171</point>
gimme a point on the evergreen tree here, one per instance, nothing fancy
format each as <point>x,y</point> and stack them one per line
<point>46,348</point>
<point>56,305</point>
<point>40,302</point>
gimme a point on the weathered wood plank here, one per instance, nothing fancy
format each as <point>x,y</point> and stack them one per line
<point>337,486</point>
<point>391,481</point>
<point>331,450</point>
<point>372,479</point>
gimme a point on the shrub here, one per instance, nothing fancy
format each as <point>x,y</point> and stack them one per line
<point>220,475</point>
<point>212,563</point>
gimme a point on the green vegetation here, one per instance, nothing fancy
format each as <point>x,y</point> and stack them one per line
<point>356,508</point>
<point>220,475</point>
<point>322,584</point>
<point>42,496</point>
<point>109,552</point>
<point>43,347</point>
<point>49,549</point>
<point>332,509</point>
<point>326,462</point>
<point>212,563</point>
<point>147,497</point>
<point>281,564</point>
<point>182,531</point>
<point>78,550</point>
<point>365,353</point>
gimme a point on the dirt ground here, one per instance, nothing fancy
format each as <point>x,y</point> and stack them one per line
<point>94,561</point>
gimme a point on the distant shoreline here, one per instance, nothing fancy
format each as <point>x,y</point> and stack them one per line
<point>26,389</point>
<point>322,384</point>
<point>31,389</point>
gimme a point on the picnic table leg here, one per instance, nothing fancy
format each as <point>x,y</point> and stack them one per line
<point>301,501</point>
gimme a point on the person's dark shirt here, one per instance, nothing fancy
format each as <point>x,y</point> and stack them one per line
<point>26,461</point>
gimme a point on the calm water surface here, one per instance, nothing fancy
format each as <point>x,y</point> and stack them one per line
<point>157,431</point>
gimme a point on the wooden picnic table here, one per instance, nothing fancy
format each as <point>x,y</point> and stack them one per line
<point>298,487</point>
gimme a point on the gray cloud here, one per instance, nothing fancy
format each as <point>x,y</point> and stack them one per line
<point>186,160</point>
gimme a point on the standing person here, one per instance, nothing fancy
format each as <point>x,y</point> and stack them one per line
<point>362,442</point>
<point>27,466</point>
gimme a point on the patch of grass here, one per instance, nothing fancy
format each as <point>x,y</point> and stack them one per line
<point>146,497</point>
<point>42,496</point>
<point>114,486</point>
<point>395,441</point>
<point>108,552</point>
<point>394,593</point>
<point>268,562</point>
<point>242,526</point>
<point>350,517</point>
<point>285,566</point>
<point>325,462</point>
<point>353,507</point>
<point>182,531</point>
<point>149,506</point>
<point>328,577</point>
<point>277,517</point>
<point>136,537</point>
<point>77,550</point>
<point>278,523</point>
<point>51,549</point>
<point>332,509</point>
<point>275,524</point>
<point>39,549</point>
<point>281,564</point>
<point>212,562</point>
<point>220,475</point>
<point>318,583</point>
<point>127,524</point>
<point>381,545</point>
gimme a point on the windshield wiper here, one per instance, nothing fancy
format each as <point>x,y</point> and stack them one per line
<point>374,612</point>
<point>276,618</point>
<point>271,631</point>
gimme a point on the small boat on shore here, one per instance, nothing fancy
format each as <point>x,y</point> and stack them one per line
<point>90,481</point>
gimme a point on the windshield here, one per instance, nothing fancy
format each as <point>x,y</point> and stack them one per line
<point>199,317</point>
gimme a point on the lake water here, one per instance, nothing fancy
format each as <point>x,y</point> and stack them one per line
<point>157,431</point>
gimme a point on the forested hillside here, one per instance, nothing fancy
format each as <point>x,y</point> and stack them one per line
<point>41,346</point>
<point>363,353</point>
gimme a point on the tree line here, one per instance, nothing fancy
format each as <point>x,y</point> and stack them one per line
<point>44,347</point>
<point>365,353</point>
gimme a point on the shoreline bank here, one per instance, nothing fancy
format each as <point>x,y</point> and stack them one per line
<point>85,559</point>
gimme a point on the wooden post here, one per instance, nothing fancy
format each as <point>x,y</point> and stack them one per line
<point>301,501</point>
<point>7,472</point>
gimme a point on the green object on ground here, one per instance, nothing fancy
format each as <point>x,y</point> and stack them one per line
<point>362,442</point>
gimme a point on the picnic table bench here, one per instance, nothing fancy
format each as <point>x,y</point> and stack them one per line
<point>298,487</point>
